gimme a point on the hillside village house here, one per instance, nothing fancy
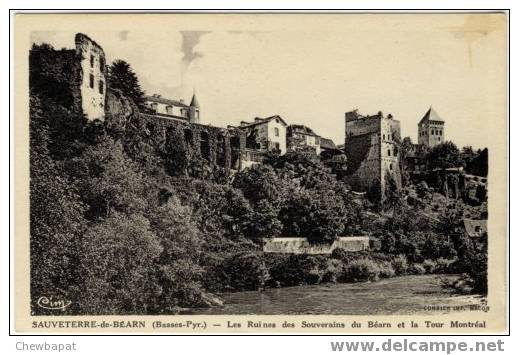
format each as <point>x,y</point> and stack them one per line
<point>174,109</point>
<point>299,136</point>
<point>266,134</point>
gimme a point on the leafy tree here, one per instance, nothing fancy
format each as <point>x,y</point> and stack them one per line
<point>65,130</point>
<point>479,164</point>
<point>450,219</point>
<point>56,218</point>
<point>109,181</point>
<point>122,77</point>
<point>56,224</point>
<point>303,168</point>
<point>259,183</point>
<point>262,222</point>
<point>467,154</point>
<point>392,197</point>
<point>179,272</point>
<point>246,271</point>
<point>218,210</point>
<point>473,260</point>
<point>405,149</point>
<point>118,263</point>
<point>443,156</point>
<point>438,246</point>
<point>320,216</point>
<point>374,192</point>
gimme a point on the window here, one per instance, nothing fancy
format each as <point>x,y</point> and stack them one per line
<point>390,166</point>
<point>204,145</point>
<point>221,156</point>
<point>277,146</point>
<point>169,110</point>
<point>91,81</point>
<point>276,132</point>
<point>102,64</point>
<point>384,137</point>
<point>235,152</point>
<point>389,152</point>
<point>188,137</point>
<point>440,133</point>
<point>91,61</point>
<point>101,87</point>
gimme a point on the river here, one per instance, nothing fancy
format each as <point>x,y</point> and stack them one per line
<point>399,295</point>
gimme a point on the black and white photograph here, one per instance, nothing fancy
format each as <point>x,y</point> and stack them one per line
<point>217,165</point>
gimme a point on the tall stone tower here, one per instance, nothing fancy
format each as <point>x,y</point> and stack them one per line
<point>371,146</point>
<point>194,110</point>
<point>93,78</point>
<point>431,129</point>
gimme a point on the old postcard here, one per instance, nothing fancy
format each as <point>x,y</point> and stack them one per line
<point>261,173</point>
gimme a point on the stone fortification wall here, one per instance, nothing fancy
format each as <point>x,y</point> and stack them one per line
<point>302,246</point>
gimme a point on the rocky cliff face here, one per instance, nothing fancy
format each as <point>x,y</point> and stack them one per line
<point>119,110</point>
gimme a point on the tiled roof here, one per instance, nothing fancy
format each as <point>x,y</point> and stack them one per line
<point>431,115</point>
<point>259,120</point>
<point>299,128</point>
<point>327,143</point>
<point>165,101</point>
<point>194,101</point>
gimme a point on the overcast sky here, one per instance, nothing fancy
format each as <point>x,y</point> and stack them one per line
<point>310,70</point>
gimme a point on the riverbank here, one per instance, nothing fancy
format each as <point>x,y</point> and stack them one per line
<point>416,294</point>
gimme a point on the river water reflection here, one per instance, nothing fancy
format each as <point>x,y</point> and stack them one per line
<point>399,295</point>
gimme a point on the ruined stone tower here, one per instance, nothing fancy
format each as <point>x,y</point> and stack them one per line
<point>93,78</point>
<point>371,146</point>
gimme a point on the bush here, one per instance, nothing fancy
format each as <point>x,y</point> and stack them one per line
<point>429,266</point>
<point>246,271</point>
<point>400,264</point>
<point>445,266</point>
<point>334,271</point>
<point>318,215</point>
<point>297,269</point>
<point>386,270</point>
<point>416,269</point>
<point>362,270</point>
<point>348,256</point>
